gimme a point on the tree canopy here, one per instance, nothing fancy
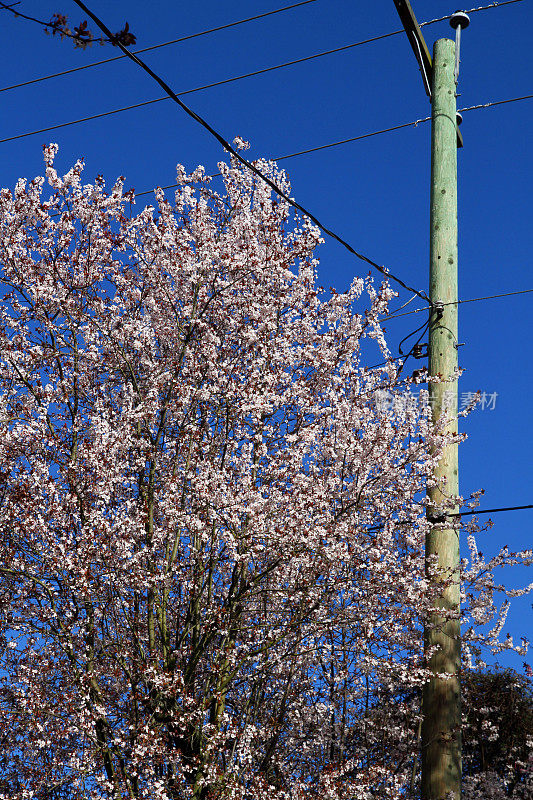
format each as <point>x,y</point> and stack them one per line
<point>211,534</point>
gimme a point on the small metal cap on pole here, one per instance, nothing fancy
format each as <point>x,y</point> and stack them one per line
<point>459,21</point>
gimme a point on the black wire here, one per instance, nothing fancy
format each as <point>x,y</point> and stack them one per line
<point>325,147</point>
<point>461,514</point>
<point>87,119</point>
<point>240,22</point>
<point>246,163</point>
<point>412,350</point>
<point>492,5</point>
<point>198,89</point>
<point>470,11</point>
<point>156,46</point>
<point>404,356</point>
<point>414,123</point>
<point>496,103</point>
<point>382,363</point>
<point>425,326</point>
<point>453,302</point>
<point>354,139</point>
<point>218,83</point>
<point>487,511</point>
<point>311,150</point>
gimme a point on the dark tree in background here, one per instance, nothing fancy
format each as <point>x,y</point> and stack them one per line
<point>498,728</point>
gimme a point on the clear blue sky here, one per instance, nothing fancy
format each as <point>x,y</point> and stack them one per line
<point>373,192</point>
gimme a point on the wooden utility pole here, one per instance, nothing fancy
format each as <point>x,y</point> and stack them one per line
<point>441,702</point>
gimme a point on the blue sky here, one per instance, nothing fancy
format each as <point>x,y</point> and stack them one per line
<point>373,192</point>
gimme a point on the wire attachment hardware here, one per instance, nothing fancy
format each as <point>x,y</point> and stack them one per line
<point>438,518</point>
<point>420,350</point>
<point>438,308</point>
<point>459,20</point>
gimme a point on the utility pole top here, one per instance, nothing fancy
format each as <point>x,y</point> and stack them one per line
<point>420,48</point>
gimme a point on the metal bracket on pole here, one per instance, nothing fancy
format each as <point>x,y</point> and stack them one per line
<point>416,40</point>
<point>420,48</point>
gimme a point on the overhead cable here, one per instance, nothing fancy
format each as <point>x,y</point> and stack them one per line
<point>487,511</point>
<point>316,149</point>
<point>240,22</point>
<point>227,146</point>
<point>84,119</point>
<point>496,103</point>
<point>491,5</point>
<point>457,302</point>
<point>467,11</point>
<point>414,123</point>
<point>354,138</point>
<point>461,514</point>
<point>157,46</point>
<point>237,77</point>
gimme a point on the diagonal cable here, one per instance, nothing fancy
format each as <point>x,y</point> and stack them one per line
<point>246,163</point>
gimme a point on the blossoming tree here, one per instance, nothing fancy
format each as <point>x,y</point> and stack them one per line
<point>211,535</point>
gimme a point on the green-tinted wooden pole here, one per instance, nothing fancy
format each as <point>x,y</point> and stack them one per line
<point>441,704</point>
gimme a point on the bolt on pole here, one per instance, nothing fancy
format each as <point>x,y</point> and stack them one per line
<point>441,701</point>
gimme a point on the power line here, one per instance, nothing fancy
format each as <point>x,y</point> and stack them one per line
<point>86,119</point>
<point>244,75</point>
<point>199,89</point>
<point>428,308</point>
<point>461,513</point>
<point>469,11</point>
<point>487,511</point>
<point>414,123</point>
<point>316,149</point>
<point>458,302</point>
<point>497,102</point>
<point>240,22</point>
<point>157,46</point>
<point>354,139</point>
<point>492,296</point>
<point>491,5</point>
